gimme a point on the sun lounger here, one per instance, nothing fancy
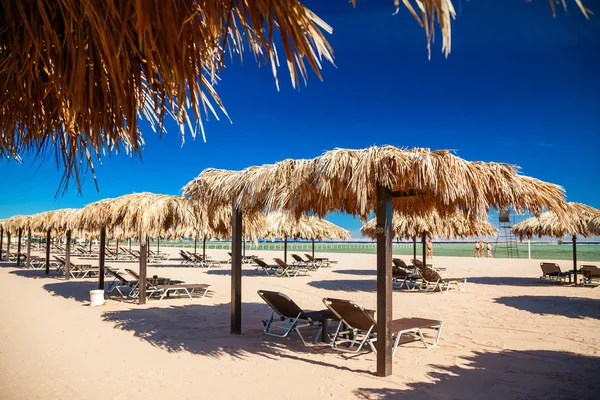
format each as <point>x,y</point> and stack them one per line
<point>320,262</point>
<point>76,270</point>
<point>404,278</point>
<point>591,275</point>
<point>289,270</point>
<point>171,287</point>
<point>120,283</point>
<point>186,258</point>
<point>287,316</point>
<point>264,267</point>
<point>204,262</point>
<point>419,265</point>
<point>358,327</point>
<point>431,280</point>
<point>552,272</point>
<point>300,261</point>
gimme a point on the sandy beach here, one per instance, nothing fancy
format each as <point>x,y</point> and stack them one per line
<point>508,335</point>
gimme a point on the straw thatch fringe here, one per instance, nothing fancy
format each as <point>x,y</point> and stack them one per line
<point>576,222</point>
<point>76,76</point>
<point>456,225</point>
<point>345,180</point>
<point>283,224</point>
<point>594,225</point>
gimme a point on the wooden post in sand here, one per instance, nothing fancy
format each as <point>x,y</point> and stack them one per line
<point>236,270</point>
<point>203,249</point>
<point>424,239</point>
<point>575,257</point>
<point>101,261</point>
<point>158,244</point>
<point>195,244</point>
<point>313,247</point>
<point>28,262</point>
<point>1,239</point>
<point>285,248</point>
<point>384,280</point>
<point>143,274</point>
<point>68,256</point>
<point>20,233</point>
<point>414,247</point>
<point>7,245</point>
<point>48,252</point>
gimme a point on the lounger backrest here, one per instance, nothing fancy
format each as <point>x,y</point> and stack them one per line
<point>353,313</point>
<point>281,263</point>
<point>310,258</point>
<point>430,275</point>
<point>590,271</point>
<point>297,258</point>
<point>550,268</point>
<point>132,273</point>
<point>116,274</point>
<point>398,262</point>
<point>398,272</point>
<point>260,262</point>
<point>282,304</point>
<point>417,263</point>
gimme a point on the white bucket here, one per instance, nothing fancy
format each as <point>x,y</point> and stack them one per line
<point>96,297</point>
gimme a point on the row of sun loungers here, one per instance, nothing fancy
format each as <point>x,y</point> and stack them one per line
<point>552,272</point>
<point>356,326</point>
<point>424,279</point>
<point>197,260</point>
<point>160,287</point>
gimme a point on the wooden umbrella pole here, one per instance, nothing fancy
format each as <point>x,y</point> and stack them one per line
<point>1,239</point>
<point>20,233</point>
<point>575,257</point>
<point>158,244</point>
<point>424,239</point>
<point>48,252</point>
<point>414,247</point>
<point>195,245</point>
<point>28,262</point>
<point>7,245</point>
<point>204,249</point>
<point>384,280</point>
<point>143,266</point>
<point>285,248</point>
<point>101,261</point>
<point>313,247</point>
<point>68,256</point>
<point>236,270</point>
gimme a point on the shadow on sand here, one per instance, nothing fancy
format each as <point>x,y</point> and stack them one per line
<point>359,272</point>
<point>204,329</point>
<point>572,307</point>
<point>347,285</point>
<point>37,273</point>
<point>510,281</point>
<point>536,374</point>
<point>76,290</point>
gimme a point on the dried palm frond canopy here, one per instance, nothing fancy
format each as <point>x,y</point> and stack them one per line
<point>254,225</point>
<point>138,215</point>
<point>13,224</point>
<point>75,76</point>
<point>345,180</point>
<point>456,225</point>
<point>576,221</point>
<point>281,224</point>
<point>594,225</point>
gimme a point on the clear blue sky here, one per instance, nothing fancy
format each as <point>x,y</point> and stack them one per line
<point>518,87</point>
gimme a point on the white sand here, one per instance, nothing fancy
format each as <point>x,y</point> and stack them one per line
<point>506,336</point>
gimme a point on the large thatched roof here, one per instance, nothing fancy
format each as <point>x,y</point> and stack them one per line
<point>548,224</point>
<point>75,76</point>
<point>594,225</point>
<point>345,180</point>
<point>281,224</point>
<point>13,224</point>
<point>456,225</point>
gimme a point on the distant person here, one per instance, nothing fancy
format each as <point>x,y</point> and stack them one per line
<point>481,249</point>
<point>429,248</point>
<point>476,250</point>
<point>489,250</point>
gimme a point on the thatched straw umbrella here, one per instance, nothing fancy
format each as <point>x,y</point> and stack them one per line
<point>549,224</point>
<point>594,225</point>
<point>360,181</point>
<point>44,222</point>
<point>64,221</point>
<point>139,215</point>
<point>17,224</point>
<point>455,225</point>
<point>284,225</point>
